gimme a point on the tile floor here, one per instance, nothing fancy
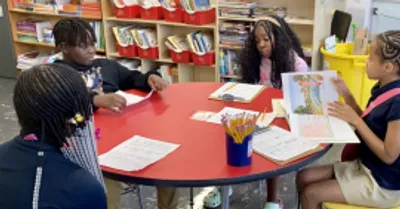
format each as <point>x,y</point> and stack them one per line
<point>246,196</point>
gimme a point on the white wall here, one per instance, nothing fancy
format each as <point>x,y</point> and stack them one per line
<point>381,23</point>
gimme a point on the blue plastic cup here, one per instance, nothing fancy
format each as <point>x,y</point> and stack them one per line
<point>239,155</point>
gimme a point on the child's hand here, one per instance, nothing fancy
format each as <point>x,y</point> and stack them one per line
<point>112,102</point>
<point>344,112</point>
<point>341,87</point>
<point>157,83</point>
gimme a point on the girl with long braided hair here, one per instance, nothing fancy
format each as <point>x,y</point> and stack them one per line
<point>53,162</point>
<point>372,179</point>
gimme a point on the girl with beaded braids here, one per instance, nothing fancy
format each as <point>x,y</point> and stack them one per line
<point>372,179</point>
<point>53,162</point>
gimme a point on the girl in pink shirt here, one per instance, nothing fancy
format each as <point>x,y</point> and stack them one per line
<point>271,48</point>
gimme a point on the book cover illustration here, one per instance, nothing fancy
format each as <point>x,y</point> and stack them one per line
<point>307,102</point>
<point>307,96</point>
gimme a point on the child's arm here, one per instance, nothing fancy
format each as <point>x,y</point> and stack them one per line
<point>348,97</point>
<point>133,79</point>
<point>389,150</point>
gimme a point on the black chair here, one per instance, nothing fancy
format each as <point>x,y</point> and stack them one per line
<point>340,25</point>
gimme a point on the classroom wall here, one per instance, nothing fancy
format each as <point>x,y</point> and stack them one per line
<point>381,23</point>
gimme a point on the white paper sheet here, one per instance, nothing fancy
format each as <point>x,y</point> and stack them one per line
<point>136,153</point>
<point>132,99</point>
<point>261,123</point>
<point>202,115</point>
<point>240,90</point>
<point>279,108</point>
<point>278,144</point>
<point>307,96</point>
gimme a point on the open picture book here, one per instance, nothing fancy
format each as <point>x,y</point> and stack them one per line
<point>307,96</point>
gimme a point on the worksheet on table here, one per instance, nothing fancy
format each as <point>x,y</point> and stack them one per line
<point>136,153</point>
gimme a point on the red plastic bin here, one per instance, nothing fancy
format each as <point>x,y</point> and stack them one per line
<point>152,13</point>
<point>207,59</point>
<point>128,51</point>
<point>127,11</point>
<point>200,17</point>
<point>173,16</point>
<point>180,57</point>
<point>149,53</point>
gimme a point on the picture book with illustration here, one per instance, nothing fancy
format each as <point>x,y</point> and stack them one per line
<point>307,97</point>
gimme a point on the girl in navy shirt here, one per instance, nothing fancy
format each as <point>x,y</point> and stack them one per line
<point>372,180</point>
<point>53,162</point>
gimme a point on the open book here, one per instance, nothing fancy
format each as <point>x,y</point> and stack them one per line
<point>307,96</point>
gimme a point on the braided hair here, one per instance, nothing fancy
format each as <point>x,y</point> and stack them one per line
<point>292,35</point>
<point>73,32</point>
<point>46,97</point>
<point>282,55</point>
<point>390,47</point>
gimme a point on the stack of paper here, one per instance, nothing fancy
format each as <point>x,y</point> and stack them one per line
<point>238,91</point>
<point>136,153</point>
<point>279,145</point>
<point>132,99</point>
<point>262,122</point>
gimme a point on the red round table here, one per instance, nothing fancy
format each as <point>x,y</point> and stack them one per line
<point>201,158</point>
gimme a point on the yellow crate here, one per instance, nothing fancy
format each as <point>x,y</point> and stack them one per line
<point>352,68</point>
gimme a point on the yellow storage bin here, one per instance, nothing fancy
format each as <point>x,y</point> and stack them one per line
<point>352,68</point>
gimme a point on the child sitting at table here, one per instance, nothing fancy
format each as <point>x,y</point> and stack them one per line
<point>52,162</point>
<point>371,180</point>
<point>269,51</point>
<point>75,38</point>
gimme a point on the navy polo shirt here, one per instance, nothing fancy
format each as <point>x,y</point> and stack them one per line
<point>65,185</point>
<point>387,176</point>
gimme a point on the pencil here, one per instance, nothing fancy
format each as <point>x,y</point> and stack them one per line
<point>230,87</point>
<point>264,113</point>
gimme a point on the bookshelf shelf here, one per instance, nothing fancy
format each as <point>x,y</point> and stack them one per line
<point>311,31</point>
<point>46,45</point>
<point>21,11</point>
<point>293,21</point>
<point>230,47</point>
<point>158,22</point>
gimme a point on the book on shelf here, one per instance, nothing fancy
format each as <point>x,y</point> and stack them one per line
<point>177,43</point>
<point>149,3</point>
<point>144,37</point>
<point>196,5</point>
<point>229,63</point>
<point>236,9</point>
<point>32,30</point>
<point>200,41</point>
<point>170,4</point>
<point>234,33</point>
<point>123,35</point>
<point>98,31</point>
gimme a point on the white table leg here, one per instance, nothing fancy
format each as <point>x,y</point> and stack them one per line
<point>225,197</point>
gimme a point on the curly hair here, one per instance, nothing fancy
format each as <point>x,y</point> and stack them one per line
<point>292,35</point>
<point>389,43</point>
<point>282,54</point>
